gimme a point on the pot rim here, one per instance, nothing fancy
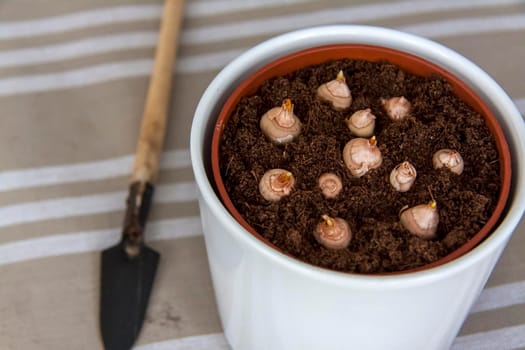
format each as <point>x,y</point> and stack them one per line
<point>281,45</point>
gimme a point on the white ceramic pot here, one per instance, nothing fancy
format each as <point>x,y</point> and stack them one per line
<point>270,301</point>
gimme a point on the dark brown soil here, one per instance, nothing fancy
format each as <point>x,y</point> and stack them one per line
<point>370,205</point>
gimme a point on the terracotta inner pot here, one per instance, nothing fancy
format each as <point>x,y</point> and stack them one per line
<point>405,61</point>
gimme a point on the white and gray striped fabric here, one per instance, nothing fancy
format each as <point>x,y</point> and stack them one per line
<point>73,77</point>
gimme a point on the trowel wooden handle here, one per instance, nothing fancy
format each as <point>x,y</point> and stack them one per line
<point>152,130</point>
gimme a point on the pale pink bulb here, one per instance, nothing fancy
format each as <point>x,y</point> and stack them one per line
<point>280,124</point>
<point>397,108</point>
<point>276,184</point>
<point>403,176</point>
<point>330,184</point>
<point>337,92</point>
<point>361,155</point>
<point>333,233</point>
<point>449,159</point>
<point>421,220</point>
<point>362,123</point>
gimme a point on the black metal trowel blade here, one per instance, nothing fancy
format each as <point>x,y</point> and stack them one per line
<point>125,291</point>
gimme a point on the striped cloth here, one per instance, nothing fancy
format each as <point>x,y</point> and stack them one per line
<point>73,77</point>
